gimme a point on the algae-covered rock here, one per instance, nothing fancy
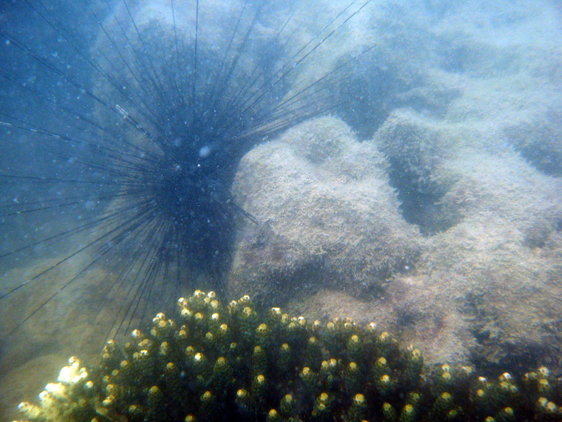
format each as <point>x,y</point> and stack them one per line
<point>326,215</point>
<point>468,148</point>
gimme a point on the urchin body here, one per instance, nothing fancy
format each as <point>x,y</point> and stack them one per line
<point>144,116</point>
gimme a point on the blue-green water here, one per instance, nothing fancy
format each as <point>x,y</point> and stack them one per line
<point>396,162</point>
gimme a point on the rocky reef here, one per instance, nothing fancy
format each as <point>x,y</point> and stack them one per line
<point>328,215</point>
<point>333,230</point>
<point>447,230</point>
<point>220,363</point>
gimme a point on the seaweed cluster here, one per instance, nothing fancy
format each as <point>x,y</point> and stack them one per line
<point>231,363</point>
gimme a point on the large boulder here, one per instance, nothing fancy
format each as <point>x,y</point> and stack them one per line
<point>325,216</point>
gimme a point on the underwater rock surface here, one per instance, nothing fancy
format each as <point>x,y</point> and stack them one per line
<point>471,149</point>
<point>327,216</point>
<point>485,288</point>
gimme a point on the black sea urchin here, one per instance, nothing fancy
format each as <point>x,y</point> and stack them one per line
<point>122,126</point>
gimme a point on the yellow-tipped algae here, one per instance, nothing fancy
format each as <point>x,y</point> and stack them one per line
<point>231,363</point>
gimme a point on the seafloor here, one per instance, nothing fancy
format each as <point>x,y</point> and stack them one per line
<point>434,211</point>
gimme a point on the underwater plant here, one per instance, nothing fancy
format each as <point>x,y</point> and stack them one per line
<point>221,363</point>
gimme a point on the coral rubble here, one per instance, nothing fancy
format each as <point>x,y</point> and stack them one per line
<point>232,363</point>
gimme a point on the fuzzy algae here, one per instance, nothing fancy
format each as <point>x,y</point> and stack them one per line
<point>230,363</point>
